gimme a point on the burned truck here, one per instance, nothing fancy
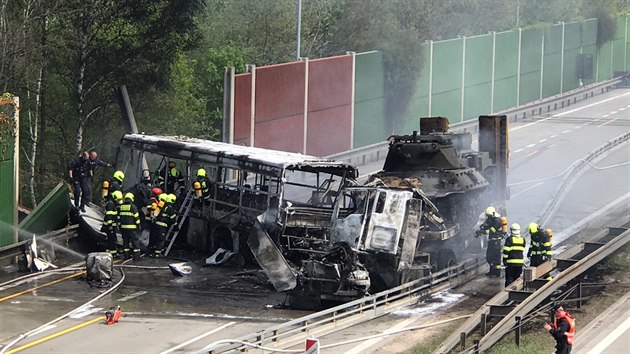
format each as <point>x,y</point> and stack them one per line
<point>413,217</point>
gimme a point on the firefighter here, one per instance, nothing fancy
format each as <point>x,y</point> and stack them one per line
<point>80,173</point>
<point>540,249</point>
<point>129,223</point>
<point>513,254</point>
<point>112,185</point>
<point>202,187</point>
<point>110,222</point>
<point>169,176</point>
<point>164,219</point>
<point>153,202</point>
<point>562,330</point>
<point>492,228</point>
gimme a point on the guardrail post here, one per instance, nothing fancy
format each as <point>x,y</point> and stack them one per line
<point>518,331</point>
<point>462,340</point>
<point>483,325</point>
<point>476,346</point>
<point>579,294</point>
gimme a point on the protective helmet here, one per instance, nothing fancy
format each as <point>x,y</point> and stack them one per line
<point>119,176</point>
<point>533,228</point>
<point>129,196</point>
<point>503,220</point>
<point>172,198</point>
<point>117,195</point>
<point>515,228</point>
<point>163,197</point>
<point>549,232</point>
<point>201,172</point>
<point>172,164</point>
<point>490,210</point>
<point>155,192</point>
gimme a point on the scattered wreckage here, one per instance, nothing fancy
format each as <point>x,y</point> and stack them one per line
<point>316,233</point>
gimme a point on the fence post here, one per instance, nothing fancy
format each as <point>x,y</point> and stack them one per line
<point>484,323</point>
<point>518,331</point>
<point>518,68</point>
<point>562,60</point>
<point>494,61</point>
<point>542,64</point>
<point>579,302</point>
<point>461,119</point>
<point>430,77</point>
<point>462,340</point>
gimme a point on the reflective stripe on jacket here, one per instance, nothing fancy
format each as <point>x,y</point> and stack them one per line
<point>128,216</point>
<point>513,250</point>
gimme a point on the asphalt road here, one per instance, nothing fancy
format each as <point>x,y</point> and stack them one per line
<point>162,320</point>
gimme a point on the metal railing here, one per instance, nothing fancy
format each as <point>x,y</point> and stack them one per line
<point>478,320</point>
<point>324,322</point>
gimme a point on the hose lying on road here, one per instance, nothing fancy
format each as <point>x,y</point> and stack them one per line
<point>27,334</point>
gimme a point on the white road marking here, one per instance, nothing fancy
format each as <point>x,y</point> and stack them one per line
<point>553,136</point>
<point>616,333</point>
<point>517,150</point>
<point>613,112</point>
<point>566,131</point>
<point>197,338</point>
<point>578,127</point>
<point>622,109</point>
<point>605,115</point>
<point>530,145</point>
<point>85,312</point>
<point>362,348</point>
<point>542,140</point>
<point>610,121</point>
<point>571,111</point>
<point>526,189</point>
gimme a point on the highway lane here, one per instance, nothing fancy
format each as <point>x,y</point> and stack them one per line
<point>557,143</point>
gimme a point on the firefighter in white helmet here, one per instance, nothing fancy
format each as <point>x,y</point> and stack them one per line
<point>513,254</point>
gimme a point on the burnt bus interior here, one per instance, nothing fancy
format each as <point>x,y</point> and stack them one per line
<point>295,193</point>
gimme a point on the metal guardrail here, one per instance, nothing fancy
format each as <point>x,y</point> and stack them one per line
<point>575,171</point>
<point>477,320</point>
<point>525,307</point>
<point>376,152</point>
<point>16,249</point>
<point>334,319</point>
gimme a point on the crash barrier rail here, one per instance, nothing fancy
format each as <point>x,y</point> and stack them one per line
<point>343,316</point>
<point>16,249</point>
<point>593,251</point>
<point>376,152</point>
<point>573,173</point>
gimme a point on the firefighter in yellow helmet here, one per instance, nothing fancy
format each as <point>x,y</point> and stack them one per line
<point>513,250</point>
<point>202,187</point>
<point>540,249</point>
<point>161,224</point>
<point>169,176</point>
<point>110,222</point>
<point>491,228</point>
<point>129,226</point>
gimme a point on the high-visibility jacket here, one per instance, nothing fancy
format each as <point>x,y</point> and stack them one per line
<point>513,250</point>
<point>492,227</point>
<point>166,217</point>
<point>570,333</point>
<point>111,214</point>
<point>128,216</point>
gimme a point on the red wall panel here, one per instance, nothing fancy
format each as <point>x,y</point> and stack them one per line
<point>285,134</point>
<point>329,105</point>
<point>242,108</point>
<point>280,107</point>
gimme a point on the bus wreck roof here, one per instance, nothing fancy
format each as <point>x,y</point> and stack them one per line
<point>187,148</point>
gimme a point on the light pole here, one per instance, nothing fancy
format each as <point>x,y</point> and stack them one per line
<point>298,15</point>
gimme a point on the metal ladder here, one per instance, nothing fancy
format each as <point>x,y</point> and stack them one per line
<point>182,215</point>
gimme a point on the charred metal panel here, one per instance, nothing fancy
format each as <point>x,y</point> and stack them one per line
<point>329,105</point>
<point>410,234</point>
<point>270,258</point>
<point>279,117</point>
<point>242,108</point>
<point>386,220</point>
<point>433,125</point>
<point>494,139</point>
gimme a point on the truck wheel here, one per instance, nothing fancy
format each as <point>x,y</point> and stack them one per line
<point>445,258</point>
